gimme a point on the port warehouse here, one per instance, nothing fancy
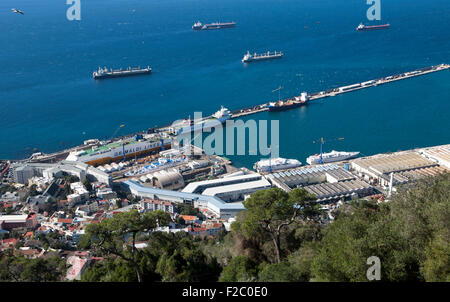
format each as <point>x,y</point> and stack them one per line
<point>404,166</point>
<point>327,182</point>
<point>200,186</point>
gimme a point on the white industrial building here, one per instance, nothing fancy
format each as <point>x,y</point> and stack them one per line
<point>237,191</point>
<point>199,187</point>
<point>24,172</point>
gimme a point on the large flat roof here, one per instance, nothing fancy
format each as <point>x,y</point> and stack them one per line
<point>217,202</point>
<point>252,185</point>
<point>190,188</point>
<point>13,218</point>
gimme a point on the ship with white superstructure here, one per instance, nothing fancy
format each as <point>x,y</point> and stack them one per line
<point>122,149</point>
<point>105,73</point>
<point>248,57</point>
<point>216,25</point>
<point>188,125</point>
<point>275,164</point>
<point>330,157</point>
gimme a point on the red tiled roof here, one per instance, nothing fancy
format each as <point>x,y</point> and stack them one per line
<point>188,217</point>
<point>9,241</point>
<point>65,220</point>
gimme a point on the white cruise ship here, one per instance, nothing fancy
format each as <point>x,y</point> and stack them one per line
<point>330,157</point>
<point>188,125</point>
<point>274,164</point>
<point>131,147</point>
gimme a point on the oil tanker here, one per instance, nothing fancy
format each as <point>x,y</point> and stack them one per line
<point>362,27</point>
<point>104,73</point>
<point>289,104</point>
<point>216,25</point>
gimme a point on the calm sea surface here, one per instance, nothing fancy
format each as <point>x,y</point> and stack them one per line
<point>49,100</point>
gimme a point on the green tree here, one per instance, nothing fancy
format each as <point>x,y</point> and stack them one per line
<point>31,270</point>
<point>33,190</point>
<point>186,209</point>
<point>269,212</point>
<point>111,235</point>
<point>240,269</point>
<point>87,184</point>
<point>182,260</point>
<point>409,234</point>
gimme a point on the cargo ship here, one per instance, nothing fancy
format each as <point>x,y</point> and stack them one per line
<point>275,164</point>
<point>330,157</point>
<point>362,27</point>
<point>216,25</point>
<point>104,73</point>
<point>289,103</point>
<point>248,57</point>
<point>188,125</point>
<point>118,150</point>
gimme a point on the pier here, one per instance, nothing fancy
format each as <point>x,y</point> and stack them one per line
<point>349,88</point>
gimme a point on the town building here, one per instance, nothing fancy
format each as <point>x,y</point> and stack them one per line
<point>154,205</point>
<point>9,222</point>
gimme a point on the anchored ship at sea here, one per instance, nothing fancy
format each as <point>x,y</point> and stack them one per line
<point>275,164</point>
<point>188,125</point>
<point>362,27</point>
<point>330,157</point>
<point>104,73</point>
<point>217,25</point>
<point>248,57</point>
<point>122,149</point>
<point>289,103</point>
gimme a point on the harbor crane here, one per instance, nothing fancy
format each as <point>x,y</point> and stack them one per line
<point>279,92</point>
<point>322,141</point>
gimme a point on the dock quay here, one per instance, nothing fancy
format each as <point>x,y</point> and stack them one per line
<point>349,88</point>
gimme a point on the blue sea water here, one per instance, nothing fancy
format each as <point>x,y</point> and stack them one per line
<point>49,100</point>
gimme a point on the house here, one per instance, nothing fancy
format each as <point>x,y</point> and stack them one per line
<point>37,203</point>
<point>65,221</point>
<point>188,219</point>
<point>28,252</point>
<point>106,193</point>
<point>207,229</point>
<point>78,263</point>
<point>8,243</point>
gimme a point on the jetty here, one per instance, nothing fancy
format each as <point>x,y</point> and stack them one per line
<point>349,88</point>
